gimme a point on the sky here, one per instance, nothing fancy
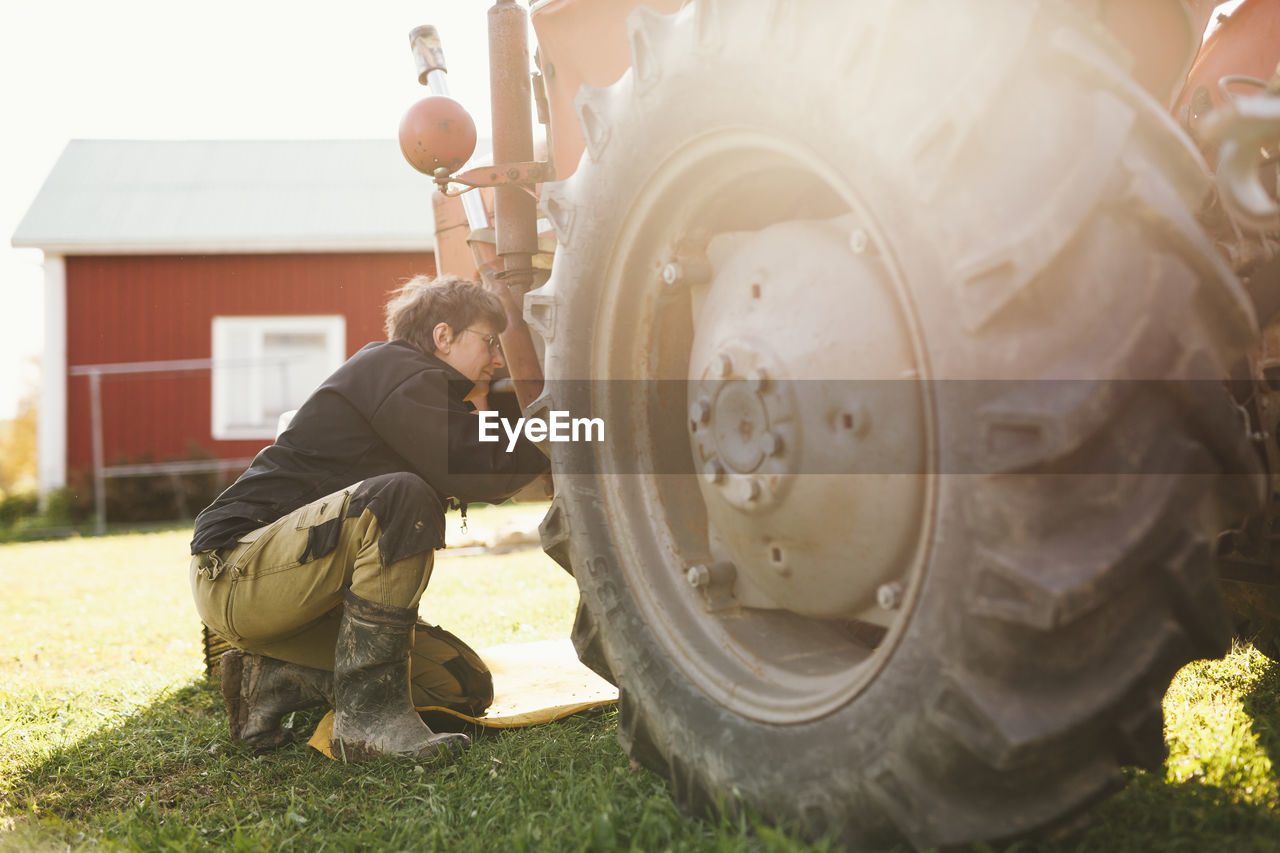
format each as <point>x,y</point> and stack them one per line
<point>138,69</point>
<point>144,69</point>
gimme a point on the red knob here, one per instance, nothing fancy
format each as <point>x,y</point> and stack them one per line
<point>437,131</point>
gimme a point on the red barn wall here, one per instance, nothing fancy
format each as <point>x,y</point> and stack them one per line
<point>160,308</point>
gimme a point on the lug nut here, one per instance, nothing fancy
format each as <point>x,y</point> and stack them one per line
<point>720,574</point>
<point>700,412</point>
<point>858,241</point>
<point>772,444</point>
<point>724,365</point>
<point>889,596</point>
<point>713,471</point>
<point>751,490</point>
<point>758,381</point>
<point>688,265</point>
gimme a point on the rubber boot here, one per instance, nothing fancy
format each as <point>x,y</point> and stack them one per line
<point>260,690</point>
<point>373,712</point>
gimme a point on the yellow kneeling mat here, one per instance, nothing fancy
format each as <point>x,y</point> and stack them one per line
<point>532,683</point>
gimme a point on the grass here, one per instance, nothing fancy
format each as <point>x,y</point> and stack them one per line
<point>111,739</point>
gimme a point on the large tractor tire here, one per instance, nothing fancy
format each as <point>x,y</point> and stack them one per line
<point>906,343</point>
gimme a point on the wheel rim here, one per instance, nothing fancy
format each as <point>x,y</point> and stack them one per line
<point>735,567</point>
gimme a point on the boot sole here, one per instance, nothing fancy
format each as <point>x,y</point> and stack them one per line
<point>450,748</point>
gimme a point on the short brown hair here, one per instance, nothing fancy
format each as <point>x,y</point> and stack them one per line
<point>422,303</point>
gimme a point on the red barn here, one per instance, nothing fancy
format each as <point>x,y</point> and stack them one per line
<point>210,286</point>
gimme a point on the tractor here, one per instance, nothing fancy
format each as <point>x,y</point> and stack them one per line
<point>934,342</point>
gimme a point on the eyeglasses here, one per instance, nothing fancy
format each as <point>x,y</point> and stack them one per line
<point>495,346</point>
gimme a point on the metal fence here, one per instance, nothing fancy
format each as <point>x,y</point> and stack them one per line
<point>174,470</point>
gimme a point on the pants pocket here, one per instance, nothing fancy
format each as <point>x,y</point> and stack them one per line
<point>212,595</point>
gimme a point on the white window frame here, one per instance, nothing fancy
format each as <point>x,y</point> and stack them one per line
<point>228,366</point>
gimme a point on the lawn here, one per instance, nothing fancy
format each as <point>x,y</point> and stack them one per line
<point>110,738</point>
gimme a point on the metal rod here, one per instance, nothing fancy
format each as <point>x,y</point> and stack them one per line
<point>515,210</point>
<point>428,56</point>
<point>99,481</point>
<point>473,207</point>
<point>175,365</point>
<point>185,466</point>
<point>438,82</point>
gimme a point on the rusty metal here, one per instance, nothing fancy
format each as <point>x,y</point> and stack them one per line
<point>1264,368</point>
<point>501,175</point>
<point>540,98</point>
<point>1246,129</point>
<point>1162,36</point>
<point>516,210</point>
<point>453,255</point>
<point>714,581</point>
<point>428,56</point>
<point>582,43</point>
<point>1246,43</point>
<point>1249,557</point>
<point>464,222</point>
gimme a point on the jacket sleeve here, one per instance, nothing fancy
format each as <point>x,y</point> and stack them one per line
<point>440,439</point>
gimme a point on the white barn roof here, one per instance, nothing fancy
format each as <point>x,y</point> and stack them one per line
<point>163,197</point>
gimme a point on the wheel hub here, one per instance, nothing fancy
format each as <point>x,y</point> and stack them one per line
<point>810,460</point>
<point>740,422</point>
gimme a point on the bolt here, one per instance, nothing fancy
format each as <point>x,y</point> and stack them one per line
<point>758,381</point>
<point>856,420</point>
<point>713,471</point>
<point>889,596</point>
<point>513,173</point>
<point>698,576</point>
<point>772,444</point>
<point>724,365</point>
<point>688,264</point>
<point>858,241</point>
<point>700,412</point>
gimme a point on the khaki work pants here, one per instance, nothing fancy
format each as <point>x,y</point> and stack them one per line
<point>271,596</point>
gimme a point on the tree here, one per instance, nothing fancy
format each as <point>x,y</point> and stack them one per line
<point>18,445</point>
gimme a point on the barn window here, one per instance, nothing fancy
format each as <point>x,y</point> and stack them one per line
<point>265,366</point>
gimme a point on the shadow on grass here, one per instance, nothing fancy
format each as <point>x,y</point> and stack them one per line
<point>167,778</point>
<point>1154,814</point>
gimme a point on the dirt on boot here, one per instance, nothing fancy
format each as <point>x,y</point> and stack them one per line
<point>259,691</point>
<point>373,711</point>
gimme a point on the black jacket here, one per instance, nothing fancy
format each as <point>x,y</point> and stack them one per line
<point>388,409</point>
